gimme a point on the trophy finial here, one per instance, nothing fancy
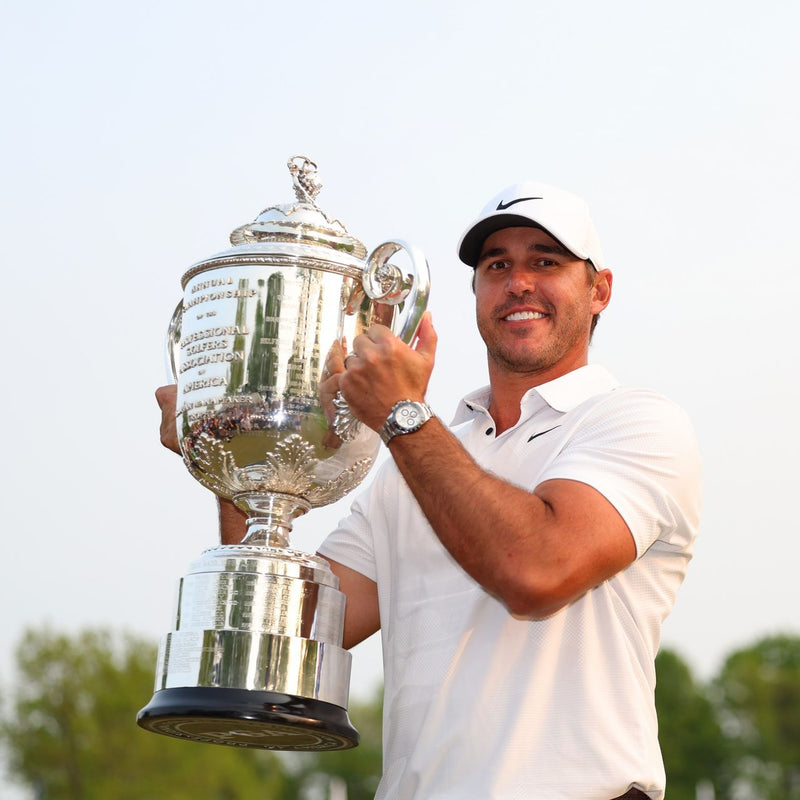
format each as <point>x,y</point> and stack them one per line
<point>304,177</point>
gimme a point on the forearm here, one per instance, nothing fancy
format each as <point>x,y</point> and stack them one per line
<point>534,551</point>
<point>484,522</point>
<point>232,522</point>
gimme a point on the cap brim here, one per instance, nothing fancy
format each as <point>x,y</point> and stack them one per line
<point>469,249</point>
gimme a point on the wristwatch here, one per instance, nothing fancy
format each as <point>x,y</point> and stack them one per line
<point>406,416</point>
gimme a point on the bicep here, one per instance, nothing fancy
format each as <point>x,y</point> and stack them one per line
<point>592,541</point>
<point>362,617</point>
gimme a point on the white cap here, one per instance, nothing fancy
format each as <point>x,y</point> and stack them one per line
<point>561,214</point>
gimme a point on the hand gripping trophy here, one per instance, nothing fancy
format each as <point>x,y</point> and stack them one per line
<point>255,656</point>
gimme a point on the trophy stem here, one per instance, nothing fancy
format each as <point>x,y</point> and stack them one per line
<point>270,517</point>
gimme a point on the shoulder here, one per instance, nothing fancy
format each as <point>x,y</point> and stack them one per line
<point>638,436</point>
<point>638,448</point>
<point>627,411</point>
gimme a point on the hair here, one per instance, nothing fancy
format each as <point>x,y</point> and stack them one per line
<point>591,271</point>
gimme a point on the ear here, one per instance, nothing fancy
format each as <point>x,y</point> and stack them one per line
<point>601,291</point>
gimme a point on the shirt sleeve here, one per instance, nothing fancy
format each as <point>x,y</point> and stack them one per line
<point>639,450</point>
<point>352,542</point>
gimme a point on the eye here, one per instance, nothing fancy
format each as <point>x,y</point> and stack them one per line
<point>496,265</point>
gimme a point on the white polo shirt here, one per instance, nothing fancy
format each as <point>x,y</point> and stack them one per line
<point>479,704</point>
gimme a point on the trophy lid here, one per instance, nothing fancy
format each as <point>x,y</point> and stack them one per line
<point>293,231</point>
<point>301,222</point>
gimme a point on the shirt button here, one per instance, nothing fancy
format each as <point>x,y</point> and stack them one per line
<point>489,431</point>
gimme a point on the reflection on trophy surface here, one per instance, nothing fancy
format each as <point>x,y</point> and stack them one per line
<point>255,656</point>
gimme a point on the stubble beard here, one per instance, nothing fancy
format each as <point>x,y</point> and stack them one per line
<point>536,357</point>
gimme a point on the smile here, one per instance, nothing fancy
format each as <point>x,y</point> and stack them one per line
<point>520,315</point>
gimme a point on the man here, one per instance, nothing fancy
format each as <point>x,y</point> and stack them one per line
<point>520,564</point>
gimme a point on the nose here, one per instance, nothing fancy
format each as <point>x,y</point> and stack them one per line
<point>520,280</point>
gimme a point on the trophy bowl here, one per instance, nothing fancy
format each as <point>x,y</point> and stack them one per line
<point>255,657</point>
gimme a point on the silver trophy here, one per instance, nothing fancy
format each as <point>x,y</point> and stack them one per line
<point>255,658</point>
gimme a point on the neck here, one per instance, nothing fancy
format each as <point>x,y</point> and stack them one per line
<point>508,389</point>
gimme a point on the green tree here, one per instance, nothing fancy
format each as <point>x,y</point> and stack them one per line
<point>691,739</point>
<point>758,698</point>
<point>71,732</point>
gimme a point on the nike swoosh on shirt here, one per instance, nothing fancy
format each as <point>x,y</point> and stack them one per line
<point>501,206</point>
<point>542,433</point>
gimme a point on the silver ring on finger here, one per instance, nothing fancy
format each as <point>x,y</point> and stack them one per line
<point>349,355</point>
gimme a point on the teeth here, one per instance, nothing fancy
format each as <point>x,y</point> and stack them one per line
<point>525,315</point>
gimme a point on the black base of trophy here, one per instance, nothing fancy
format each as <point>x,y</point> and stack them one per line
<point>243,718</point>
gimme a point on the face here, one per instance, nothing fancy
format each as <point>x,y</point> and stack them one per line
<point>535,302</point>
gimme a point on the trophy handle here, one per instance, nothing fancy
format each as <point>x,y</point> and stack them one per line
<point>386,283</point>
<point>173,343</point>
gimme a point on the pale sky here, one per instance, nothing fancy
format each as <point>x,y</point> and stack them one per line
<point>136,137</point>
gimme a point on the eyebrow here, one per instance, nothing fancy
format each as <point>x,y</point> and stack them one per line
<point>547,249</point>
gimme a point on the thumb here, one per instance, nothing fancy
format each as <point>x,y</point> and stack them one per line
<point>426,336</point>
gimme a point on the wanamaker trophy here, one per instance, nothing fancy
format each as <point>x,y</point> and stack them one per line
<point>255,658</point>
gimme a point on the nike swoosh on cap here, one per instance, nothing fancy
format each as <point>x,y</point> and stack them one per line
<point>501,206</point>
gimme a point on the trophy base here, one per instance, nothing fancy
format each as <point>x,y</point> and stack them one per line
<point>245,718</point>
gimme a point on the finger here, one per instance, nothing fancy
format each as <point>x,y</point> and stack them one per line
<point>334,360</point>
<point>376,332</point>
<point>328,388</point>
<point>427,338</point>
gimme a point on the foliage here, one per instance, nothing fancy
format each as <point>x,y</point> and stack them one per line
<point>72,734</point>
<point>69,732</point>
<point>691,740</point>
<point>758,697</point>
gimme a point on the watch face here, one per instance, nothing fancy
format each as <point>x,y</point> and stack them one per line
<point>408,416</point>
